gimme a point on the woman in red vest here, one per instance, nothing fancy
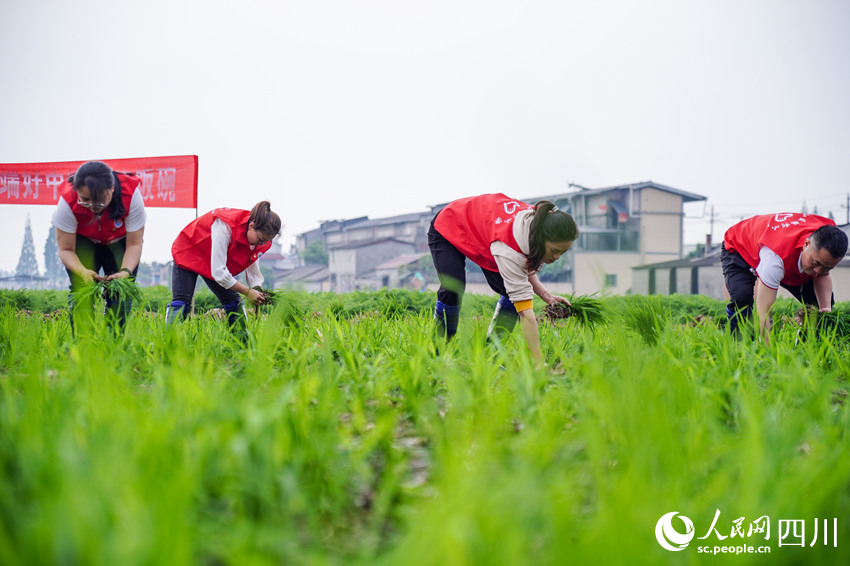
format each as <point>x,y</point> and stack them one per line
<point>218,246</point>
<point>510,241</point>
<point>100,221</point>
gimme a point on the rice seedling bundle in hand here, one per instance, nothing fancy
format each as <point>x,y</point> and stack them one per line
<point>585,310</point>
<point>830,323</point>
<point>270,296</point>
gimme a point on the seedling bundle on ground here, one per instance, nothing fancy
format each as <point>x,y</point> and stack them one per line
<point>339,437</point>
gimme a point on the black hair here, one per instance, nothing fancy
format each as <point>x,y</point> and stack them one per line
<point>831,238</point>
<point>548,225</point>
<point>264,219</point>
<point>99,178</point>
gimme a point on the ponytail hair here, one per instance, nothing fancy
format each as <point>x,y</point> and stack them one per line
<point>99,178</point>
<point>548,225</point>
<point>264,219</point>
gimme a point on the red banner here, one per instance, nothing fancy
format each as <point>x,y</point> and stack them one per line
<point>170,182</point>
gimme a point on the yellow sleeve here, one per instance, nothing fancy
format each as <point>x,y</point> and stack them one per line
<point>522,305</point>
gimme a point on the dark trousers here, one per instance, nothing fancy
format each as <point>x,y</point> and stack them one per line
<point>101,257</point>
<point>450,264</point>
<point>183,289</point>
<point>740,281</point>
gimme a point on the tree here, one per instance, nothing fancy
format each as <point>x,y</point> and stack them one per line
<point>315,253</point>
<point>53,268</point>
<point>27,264</point>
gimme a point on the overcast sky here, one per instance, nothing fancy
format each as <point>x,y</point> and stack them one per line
<point>338,109</point>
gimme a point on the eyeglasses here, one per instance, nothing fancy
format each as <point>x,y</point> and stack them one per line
<point>93,205</point>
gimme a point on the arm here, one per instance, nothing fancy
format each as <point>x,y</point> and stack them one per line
<point>254,275</point>
<point>132,254</point>
<point>252,295</point>
<point>823,291</point>
<point>220,239</point>
<point>765,297</point>
<point>528,322</point>
<point>541,291</point>
<point>67,244</point>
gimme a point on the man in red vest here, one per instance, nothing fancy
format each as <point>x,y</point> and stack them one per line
<point>792,250</point>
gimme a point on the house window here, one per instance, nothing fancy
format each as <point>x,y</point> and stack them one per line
<point>610,279</point>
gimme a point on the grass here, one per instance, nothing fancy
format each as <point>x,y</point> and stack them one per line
<point>339,437</point>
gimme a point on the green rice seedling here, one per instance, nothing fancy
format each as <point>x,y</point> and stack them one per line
<point>586,310</point>
<point>347,441</point>
<point>121,289</point>
<point>646,316</point>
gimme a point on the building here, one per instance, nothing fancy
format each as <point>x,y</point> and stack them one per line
<point>623,227</point>
<point>620,228</point>
<point>352,266</point>
<point>24,282</point>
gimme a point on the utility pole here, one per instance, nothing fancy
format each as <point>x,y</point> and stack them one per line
<point>709,242</point>
<point>847,208</point>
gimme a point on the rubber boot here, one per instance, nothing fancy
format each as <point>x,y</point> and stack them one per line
<point>504,320</point>
<point>447,318</point>
<point>735,317</point>
<point>176,310</point>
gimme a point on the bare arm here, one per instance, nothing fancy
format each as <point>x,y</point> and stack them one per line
<point>543,293</point>
<point>528,322</point>
<point>765,297</point>
<point>132,253</point>
<point>67,244</point>
<point>252,295</point>
<point>823,291</point>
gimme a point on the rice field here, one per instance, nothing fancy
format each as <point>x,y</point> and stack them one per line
<point>341,436</point>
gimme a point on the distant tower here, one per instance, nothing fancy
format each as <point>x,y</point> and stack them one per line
<point>27,264</point>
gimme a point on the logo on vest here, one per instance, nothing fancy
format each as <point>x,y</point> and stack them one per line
<point>512,206</point>
<point>782,217</point>
<point>118,223</point>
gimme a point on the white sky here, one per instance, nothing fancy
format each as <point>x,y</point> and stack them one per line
<point>337,109</point>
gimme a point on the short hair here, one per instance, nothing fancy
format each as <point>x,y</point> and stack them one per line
<point>831,238</point>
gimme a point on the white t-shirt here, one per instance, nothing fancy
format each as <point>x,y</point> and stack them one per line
<point>220,236</point>
<point>512,264</point>
<point>770,269</point>
<point>64,219</point>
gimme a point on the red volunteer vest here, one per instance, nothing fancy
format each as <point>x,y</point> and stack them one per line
<point>192,249</point>
<point>101,229</point>
<point>472,224</point>
<point>784,233</point>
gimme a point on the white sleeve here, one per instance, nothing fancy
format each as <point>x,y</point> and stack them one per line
<point>136,216</point>
<point>219,242</point>
<point>63,217</point>
<point>512,268</point>
<point>255,277</point>
<point>770,269</point>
